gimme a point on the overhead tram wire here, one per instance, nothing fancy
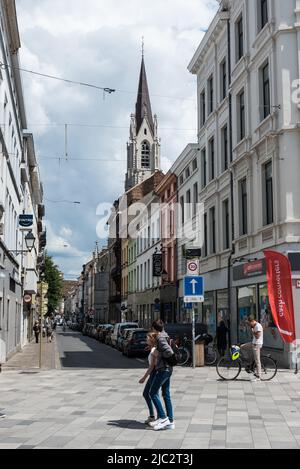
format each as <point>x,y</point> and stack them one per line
<point>107,90</point>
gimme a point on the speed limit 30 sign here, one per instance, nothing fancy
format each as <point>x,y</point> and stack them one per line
<point>193,267</point>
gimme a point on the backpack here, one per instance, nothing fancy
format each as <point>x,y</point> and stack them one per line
<point>172,360</point>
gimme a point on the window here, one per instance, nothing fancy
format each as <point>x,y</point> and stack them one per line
<point>212,216</point>
<point>243,207</point>
<point>262,13</point>
<point>203,169</point>
<point>181,180</point>
<point>225,148</point>
<point>212,159</point>
<point>182,209</point>
<point>205,250</point>
<point>202,108</point>
<point>210,87</point>
<point>223,79</point>
<point>188,203</point>
<point>195,164</point>
<point>145,155</point>
<point>268,194</point>
<point>145,131</point>
<point>187,173</point>
<point>242,115</point>
<point>239,39</point>
<point>226,225</point>
<point>195,199</point>
<point>265,80</point>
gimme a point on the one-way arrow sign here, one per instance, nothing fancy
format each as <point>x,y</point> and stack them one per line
<point>193,289</point>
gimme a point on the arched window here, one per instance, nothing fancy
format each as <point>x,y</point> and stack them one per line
<point>145,155</point>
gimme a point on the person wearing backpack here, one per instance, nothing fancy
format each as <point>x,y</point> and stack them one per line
<point>162,380</point>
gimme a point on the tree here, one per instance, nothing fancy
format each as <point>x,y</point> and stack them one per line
<point>54,279</point>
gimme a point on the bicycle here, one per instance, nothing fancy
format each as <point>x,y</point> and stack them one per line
<point>230,367</point>
<point>184,350</point>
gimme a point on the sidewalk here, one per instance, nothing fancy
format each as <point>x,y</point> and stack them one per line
<point>28,358</point>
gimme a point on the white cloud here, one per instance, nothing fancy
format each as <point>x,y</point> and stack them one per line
<point>99,41</point>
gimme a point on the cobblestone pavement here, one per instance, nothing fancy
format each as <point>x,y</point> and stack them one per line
<point>103,408</point>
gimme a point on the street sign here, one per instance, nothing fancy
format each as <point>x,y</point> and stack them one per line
<point>27,299</point>
<point>194,289</point>
<point>193,267</point>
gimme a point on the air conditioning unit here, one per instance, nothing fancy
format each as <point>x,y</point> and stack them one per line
<point>1,229</point>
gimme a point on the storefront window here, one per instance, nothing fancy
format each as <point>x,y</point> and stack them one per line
<point>209,313</point>
<point>246,306</point>
<point>222,307</point>
<point>272,337</point>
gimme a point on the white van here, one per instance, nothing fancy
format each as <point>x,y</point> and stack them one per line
<point>119,327</point>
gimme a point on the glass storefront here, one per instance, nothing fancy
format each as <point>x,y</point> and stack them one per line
<point>272,337</point>
<point>222,307</point>
<point>209,313</point>
<point>247,305</point>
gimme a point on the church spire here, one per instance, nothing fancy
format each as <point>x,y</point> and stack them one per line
<point>143,104</point>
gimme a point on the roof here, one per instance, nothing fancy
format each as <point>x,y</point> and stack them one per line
<point>143,105</point>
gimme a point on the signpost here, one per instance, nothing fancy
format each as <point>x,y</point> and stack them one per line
<point>193,293</point>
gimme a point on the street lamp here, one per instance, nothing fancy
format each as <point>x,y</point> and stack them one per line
<point>30,241</point>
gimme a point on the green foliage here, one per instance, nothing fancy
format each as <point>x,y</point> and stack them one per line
<point>55,281</point>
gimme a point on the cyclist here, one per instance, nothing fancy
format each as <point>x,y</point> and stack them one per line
<point>254,348</point>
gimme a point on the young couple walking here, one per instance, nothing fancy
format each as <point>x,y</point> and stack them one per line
<point>159,376</point>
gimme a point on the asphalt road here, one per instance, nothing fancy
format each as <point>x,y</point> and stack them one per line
<point>78,351</point>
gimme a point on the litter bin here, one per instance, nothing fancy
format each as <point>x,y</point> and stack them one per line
<point>199,351</point>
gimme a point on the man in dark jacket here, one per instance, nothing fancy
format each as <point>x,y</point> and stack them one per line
<point>162,380</point>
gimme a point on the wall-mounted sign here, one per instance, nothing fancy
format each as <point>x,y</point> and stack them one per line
<point>192,253</point>
<point>25,221</point>
<point>27,299</point>
<point>298,284</point>
<point>157,265</point>
<point>250,269</point>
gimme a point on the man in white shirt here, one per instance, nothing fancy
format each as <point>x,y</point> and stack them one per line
<point>256,345</point>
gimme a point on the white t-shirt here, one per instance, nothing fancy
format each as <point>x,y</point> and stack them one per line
<point>260,341</point>
<point>151,356</point>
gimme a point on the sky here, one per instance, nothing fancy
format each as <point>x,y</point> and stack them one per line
<point>99,42</point>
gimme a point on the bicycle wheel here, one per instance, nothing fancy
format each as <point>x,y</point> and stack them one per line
<point>210,356</point>
<point>268,368</point>
<point>229,369</point>
<point>182,355</point>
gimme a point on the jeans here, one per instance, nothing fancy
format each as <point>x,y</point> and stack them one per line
<point>162,380</point>
<point>146,393</point>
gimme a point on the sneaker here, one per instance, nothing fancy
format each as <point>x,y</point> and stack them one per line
<point>162,424</point>
<point>171,426</point>
<point>150,420</point>
<point>2,416</point>
<point>255,380</point>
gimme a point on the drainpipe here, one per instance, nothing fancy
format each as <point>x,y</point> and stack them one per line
<point>231,179</point>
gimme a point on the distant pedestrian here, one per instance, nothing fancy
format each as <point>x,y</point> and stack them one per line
<point>37,330</point>
<point>151,373</point>
<point>221,338</point>
<point>162,380</point>
<point>49,333</point>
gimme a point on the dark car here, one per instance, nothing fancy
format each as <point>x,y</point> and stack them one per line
<point>135,343</point>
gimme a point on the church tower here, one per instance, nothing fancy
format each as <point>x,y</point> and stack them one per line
<point>143,149</point>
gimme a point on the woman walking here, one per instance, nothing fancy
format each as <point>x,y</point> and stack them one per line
<point>36,330</point>
<point>151,372</point>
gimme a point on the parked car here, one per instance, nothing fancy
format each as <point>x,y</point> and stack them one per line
<point>135,343</point>
<point>118,328</point>
<point>124,333</point>
<point>104,331</point>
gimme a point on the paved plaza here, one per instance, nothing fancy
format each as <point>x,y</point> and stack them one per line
<point>94,407</point>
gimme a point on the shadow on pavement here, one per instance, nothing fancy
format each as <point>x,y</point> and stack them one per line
<point>129,424</point>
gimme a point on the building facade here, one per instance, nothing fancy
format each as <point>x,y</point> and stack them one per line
<point>249,140</point>
<point>20,193</point>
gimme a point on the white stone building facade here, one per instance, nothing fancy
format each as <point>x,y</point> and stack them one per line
<point>248,69</point>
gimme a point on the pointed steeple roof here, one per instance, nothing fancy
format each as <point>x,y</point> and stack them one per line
<point>143,104</point>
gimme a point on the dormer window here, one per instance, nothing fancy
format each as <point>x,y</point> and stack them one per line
<point>145,131</point>
<point>145,155</point>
